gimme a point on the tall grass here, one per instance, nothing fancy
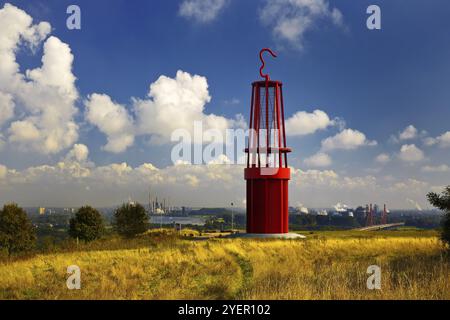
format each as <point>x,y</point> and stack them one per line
<point>159,266</point>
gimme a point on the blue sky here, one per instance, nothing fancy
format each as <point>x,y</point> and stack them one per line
<point>377,82</point>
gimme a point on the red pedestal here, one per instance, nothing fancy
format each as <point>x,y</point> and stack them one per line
<point>267,201</point>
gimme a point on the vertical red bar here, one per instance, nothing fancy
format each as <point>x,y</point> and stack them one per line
<point>267,124</point>
<point>251,207</point>
<point>284,130</point>
<point>257,120</point>
<point>277,128</point>
<point>250,140</point>
<point>248,204</point>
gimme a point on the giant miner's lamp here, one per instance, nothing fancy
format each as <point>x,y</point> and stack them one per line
<point>267,172</point>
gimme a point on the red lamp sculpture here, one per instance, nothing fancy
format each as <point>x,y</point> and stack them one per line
<point>267,173</point>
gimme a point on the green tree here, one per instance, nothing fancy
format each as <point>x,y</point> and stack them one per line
<point>17,233</point>
<point>87,224</point>
<point>130,220</point>
<point>442,201</point>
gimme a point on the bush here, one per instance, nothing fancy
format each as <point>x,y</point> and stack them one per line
<point>87,224</point>
<point>130,220</point>
<point>442,202</point>
<point>17,233</point>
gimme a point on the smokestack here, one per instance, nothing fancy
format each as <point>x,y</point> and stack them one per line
<point>369,218</point>
<point>384,216</point>
<point>168,204</point>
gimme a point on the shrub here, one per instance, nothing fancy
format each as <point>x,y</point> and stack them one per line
<point>130,220</point>
<point>17,233</point>
<point>442,201</point>
<point>87,224</point>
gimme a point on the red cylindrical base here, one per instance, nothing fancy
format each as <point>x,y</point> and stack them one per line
<point>267,201</point>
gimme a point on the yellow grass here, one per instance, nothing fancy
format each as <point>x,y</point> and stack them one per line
<point>322,267</point>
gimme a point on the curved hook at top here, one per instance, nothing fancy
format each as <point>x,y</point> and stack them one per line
<point>266,76</point>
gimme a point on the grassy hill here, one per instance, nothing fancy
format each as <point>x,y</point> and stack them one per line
<point>328,265</point>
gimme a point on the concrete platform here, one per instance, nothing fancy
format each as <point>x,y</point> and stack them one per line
<point>267,235</point>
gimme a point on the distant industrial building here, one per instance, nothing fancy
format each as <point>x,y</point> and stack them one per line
<point>360,212</point>
<point>157,207</point>
<point>368,214</point>
<point>302,210</point>
<point>342,210</point>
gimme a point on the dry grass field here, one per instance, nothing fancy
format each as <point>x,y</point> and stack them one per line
<point>328,265</point>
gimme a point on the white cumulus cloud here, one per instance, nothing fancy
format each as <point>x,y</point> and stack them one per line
<point>347,139</point>
<point>429,141</point>
<point>23,131</point>
<point>439,168</point>
<point>291,19</point>
<point>303,123</point>
<point>410,153</point>
<point>410,132</point>
<point>79,153</point>
<point>172,104</point>
<point>6,108</point>
<point>318,160</point>
<point>44,97</point>
<point>72,183</point>
<point>201,10</point>
<point>383,158</point>
<point>112,119</point>
<point>442,141</point>
<point>176,103</point>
